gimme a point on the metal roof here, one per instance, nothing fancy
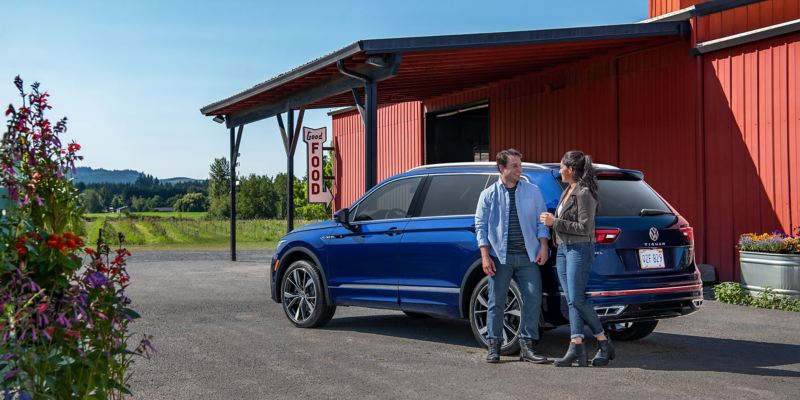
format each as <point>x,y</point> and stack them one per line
<point>436,65</point>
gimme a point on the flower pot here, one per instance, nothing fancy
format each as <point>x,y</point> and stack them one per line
<point>781,272</point>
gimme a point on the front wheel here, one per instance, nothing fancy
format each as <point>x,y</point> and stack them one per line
<point>478,313</point>
<point>627,331</point>
<point>303,297</point>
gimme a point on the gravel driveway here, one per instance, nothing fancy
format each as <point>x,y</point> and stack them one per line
<point>218,335</point>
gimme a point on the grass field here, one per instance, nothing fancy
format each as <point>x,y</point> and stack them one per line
<point>175,214</point>
<point>184,233</point>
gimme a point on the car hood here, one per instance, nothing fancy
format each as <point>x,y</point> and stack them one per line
<point>315,226</point>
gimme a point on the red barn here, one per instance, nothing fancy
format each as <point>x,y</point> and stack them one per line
<point>702,97</point>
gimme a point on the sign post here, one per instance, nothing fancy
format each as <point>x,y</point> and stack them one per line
<point>317,191</point>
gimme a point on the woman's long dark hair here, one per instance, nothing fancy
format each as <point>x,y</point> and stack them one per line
<point>582,168</point>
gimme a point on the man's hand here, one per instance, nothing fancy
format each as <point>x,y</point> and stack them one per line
<point>542,255</point>
<point>488,265</point>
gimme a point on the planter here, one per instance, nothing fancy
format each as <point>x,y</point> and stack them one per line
<point>781,272</point>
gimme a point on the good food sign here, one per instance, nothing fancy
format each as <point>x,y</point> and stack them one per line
<point>317,191</point>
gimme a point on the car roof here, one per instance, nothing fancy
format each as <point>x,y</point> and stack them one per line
<point>490,166</point>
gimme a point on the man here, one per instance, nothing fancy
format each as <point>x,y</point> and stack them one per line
<point>512,241</point>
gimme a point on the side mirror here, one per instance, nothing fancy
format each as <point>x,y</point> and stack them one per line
<point>343,217</point>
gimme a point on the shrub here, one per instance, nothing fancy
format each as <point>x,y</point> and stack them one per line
<point>64,324</point>
<point>733,293</point>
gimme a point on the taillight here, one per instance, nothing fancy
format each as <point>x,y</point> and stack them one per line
<point>688,233</point>
<point>606,235</point>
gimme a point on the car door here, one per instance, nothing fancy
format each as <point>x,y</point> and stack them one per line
<point>363,261</point>
<point>438,244</point>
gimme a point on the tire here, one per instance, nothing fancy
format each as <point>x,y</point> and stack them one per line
<point>631,330</point>
<point>478,304</point>
<point>412,314</point>
<point>303,297</point>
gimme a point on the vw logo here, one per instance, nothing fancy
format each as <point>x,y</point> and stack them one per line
<point>653,234</point>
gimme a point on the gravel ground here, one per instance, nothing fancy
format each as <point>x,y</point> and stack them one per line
<point>218,335</point>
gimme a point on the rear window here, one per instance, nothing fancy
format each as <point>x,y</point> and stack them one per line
<point>453,194</point>
<point>627,198</point>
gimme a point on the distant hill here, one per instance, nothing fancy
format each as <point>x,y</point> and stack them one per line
<point>180,179</point>
<point>90,175</point>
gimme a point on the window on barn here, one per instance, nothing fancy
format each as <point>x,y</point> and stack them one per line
<point>457,135</point>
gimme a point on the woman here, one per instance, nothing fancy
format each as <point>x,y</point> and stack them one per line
<point>573,228</point>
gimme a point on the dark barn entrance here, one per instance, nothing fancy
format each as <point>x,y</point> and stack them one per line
<point>457,135</point>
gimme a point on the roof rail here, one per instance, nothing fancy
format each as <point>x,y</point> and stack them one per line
<point>472,164</point>
<point>596,166</point>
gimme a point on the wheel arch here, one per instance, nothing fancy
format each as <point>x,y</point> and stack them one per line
<point>300,253</point>
<point>471,278</point>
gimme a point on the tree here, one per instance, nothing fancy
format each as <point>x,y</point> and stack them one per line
<point>117,201</point>
<point>191,202</point>
<point>92,201</point>
<point>219,188</point>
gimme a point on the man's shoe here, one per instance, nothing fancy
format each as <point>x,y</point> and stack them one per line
<point>526,352</point>
<point>494,351</point>
<point>605,353</point>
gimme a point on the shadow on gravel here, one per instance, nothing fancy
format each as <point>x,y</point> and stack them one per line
<point>448,331</point>
<point>673,352</point>
<point>658,352</point>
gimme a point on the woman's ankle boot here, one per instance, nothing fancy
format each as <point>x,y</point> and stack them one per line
<point>576,351</point>
<point>605,353</point>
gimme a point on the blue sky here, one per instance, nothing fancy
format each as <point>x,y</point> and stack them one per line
<point>131,76</point>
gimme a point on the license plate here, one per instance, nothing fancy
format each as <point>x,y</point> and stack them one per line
<point>651,258</point>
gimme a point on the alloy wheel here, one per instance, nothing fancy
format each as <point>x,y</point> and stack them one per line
<point>299,295</point>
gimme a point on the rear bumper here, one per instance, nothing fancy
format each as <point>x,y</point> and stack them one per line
<point>647,303</point>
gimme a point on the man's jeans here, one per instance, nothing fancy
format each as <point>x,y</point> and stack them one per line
<point>574,263</point>
<point>529,280</point>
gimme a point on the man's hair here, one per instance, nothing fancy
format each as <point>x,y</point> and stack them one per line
<point>502,157</point>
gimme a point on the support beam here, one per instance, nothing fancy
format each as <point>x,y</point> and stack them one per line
<point>291,145</point>
<point>236,139</point>
<point>370,113</point>
<point>371,134</point>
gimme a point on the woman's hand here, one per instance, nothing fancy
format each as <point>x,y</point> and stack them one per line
<point>547,218</point>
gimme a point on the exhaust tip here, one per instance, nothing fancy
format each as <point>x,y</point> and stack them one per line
<point>697,303</point>
<point>610,311</point>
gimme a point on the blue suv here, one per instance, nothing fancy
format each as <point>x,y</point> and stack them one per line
<point>409,244</point>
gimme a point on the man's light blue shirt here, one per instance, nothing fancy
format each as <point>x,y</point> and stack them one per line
<point>491,218</point>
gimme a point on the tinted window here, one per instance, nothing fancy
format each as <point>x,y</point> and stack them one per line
<point>388,202</point>
<point>627,198</point>
<point>453,194</point>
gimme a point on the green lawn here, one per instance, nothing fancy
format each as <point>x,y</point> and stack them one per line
<point>146,232</point>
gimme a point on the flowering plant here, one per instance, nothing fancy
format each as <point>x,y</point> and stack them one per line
<point>63,322</point>
<point>775,242</point>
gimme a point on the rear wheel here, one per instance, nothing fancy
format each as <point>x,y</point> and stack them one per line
<point>478,312</point>
<point>303,297</point>
<point>627,331</point>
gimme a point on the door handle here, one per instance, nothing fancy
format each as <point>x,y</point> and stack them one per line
<point>471,228</point>
<point>393,231</point>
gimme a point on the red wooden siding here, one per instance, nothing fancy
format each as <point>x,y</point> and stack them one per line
<point>400,147</point>
<point>746,18</point>
<point>752,126</point>
<point>661,7</point>
<point>658,99</point>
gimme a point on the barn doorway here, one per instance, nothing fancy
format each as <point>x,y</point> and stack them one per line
<point>457,135</point>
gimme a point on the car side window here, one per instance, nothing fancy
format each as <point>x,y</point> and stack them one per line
<point>390,201</point>
<point>455,194</point>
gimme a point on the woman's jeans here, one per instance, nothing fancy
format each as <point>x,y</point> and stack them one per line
<point>529,280</point>
<point>574,262</point>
